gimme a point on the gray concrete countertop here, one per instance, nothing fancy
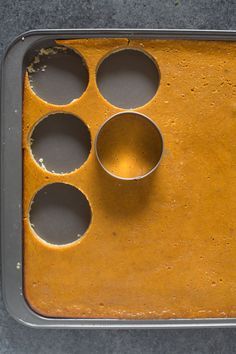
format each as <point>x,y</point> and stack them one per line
<point>21,15</point>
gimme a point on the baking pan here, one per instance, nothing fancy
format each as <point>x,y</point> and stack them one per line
<point>13,67</point>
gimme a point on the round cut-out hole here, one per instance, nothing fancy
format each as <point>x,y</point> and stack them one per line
<point>61,143</point>
<point>58,75</point>
<point>129,145</point>
<point>128,78</point>
<point>60,213</point>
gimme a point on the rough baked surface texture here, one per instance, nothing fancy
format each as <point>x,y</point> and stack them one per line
<point>164,246</point>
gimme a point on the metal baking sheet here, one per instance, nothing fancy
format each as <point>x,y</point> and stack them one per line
<point>13,66</point>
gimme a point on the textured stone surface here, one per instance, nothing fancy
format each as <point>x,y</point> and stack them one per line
<point>18,16</point>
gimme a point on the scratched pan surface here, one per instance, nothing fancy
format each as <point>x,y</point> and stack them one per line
<point>14,65</point>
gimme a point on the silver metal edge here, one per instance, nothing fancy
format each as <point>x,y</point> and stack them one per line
<point>134,112</point>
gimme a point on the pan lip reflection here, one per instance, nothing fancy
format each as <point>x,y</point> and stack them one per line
<point>135,114</point>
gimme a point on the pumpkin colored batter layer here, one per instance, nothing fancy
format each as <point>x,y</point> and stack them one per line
<point>163,246</point>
